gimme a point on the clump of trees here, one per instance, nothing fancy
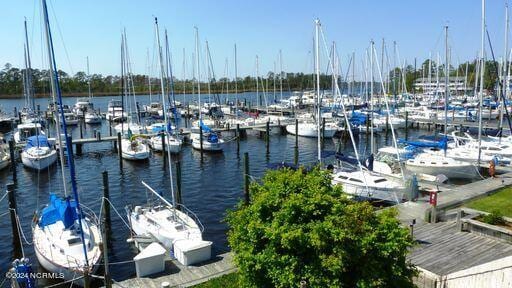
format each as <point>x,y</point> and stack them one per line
<point>297,227</point>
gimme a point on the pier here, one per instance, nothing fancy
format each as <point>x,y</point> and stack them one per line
<point>177,275</point>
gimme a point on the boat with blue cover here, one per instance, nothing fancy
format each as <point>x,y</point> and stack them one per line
<point>38,153</point>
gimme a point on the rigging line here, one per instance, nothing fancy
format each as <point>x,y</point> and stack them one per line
<point>384,92</point>
<point>347,122</point>
<point>5,195</point>
<point>62,38</point>
<point>117,212</point>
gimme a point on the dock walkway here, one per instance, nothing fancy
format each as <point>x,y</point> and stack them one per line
<point>421,208</point>
<point>178,275</point>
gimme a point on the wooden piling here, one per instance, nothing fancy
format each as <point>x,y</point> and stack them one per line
<point>81,129</point>
<point>387,124</point>
<point>296,148</point>
<point>238,139</point>
<point>323,133</point>
<point>120,151</point>
<point>14,222</point>
<point>105,240</point>
<point>106,197</point>
<point>13,160</point>
<point>267,137</point>
<point>78,149</point>
<point>406,125</point>
<point>164,155</point>
<point>201,139</point>
<point>178,184</point>
<point>246,178</point>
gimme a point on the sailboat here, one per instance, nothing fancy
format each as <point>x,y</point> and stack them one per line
<point>5,156</point>
<point>38,154</point>
<point>364,183</point>
<point>171,142</point>
<point>91,116</point>
<point>66,239</point>
<point>171,224</point>
<point>133,146</point>
<point>443,162</point>
<point>210,140</point>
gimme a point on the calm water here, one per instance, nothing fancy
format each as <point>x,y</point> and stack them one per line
<point>209,188</point>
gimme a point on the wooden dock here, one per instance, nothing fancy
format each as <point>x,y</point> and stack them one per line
<point>178,275</point>
<point>420,209</point>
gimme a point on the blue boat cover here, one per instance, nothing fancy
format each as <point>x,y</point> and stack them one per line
<point>213,138</point>
<point>37,141</point>
<point>204,127</point>
<point>441,144</point>
<point>59,210</point>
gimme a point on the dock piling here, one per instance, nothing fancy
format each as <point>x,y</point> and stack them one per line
<point>238,139</point>
<point>120,151</point>
<point>267,136</point>
<point>323,133</point>
<point>296,148</point>
<point>246,178</point>
<point>13,160</point>
<point>406,125</point>
<point>14,222</point>
<point>106,197</point>
<point>178,184</point>
<point>201,139</point>
<point>164,160</point>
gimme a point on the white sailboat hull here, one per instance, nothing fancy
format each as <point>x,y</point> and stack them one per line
<point>4,163</point>
<point>207,146</point>
<point>435,165</point>
<point>92,119</point>
<point>310,130</point>
<point>141,151</point>
<point>38,162</point>
<point>173,144</point>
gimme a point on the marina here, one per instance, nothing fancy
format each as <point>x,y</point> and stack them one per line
<point>358,172</point>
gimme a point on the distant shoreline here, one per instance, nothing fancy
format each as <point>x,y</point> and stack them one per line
<point>109,94</point>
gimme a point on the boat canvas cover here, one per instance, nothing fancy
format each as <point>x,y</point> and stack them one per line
<point>441,144</point>
<point>37,141</point>
<point>59,210</point>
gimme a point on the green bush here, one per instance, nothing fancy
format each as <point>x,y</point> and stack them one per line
<point>494,218</point>
<point>298,227</point>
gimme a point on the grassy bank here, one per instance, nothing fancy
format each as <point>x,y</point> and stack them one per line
<point>226,281</point>
<point>500,201</point>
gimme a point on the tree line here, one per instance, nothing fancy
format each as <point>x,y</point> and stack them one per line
<point>12,81</point>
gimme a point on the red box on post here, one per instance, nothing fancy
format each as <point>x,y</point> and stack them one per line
<point>433,198</point>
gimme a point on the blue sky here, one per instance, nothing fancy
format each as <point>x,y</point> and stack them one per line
<point>92,28</point>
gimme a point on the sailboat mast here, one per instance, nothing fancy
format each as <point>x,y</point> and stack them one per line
<point>446,85</point>
<point>57,112</point>
<point>372,148</point>
<point>149,76</point>
<point>482,71</point>
<point>281,75</point>
<point>162,87</point>
<point>198,73</point>
<point>258,101</point>
<point>208,73</point>
<point>69,147</point>
<point>88,79</point>
<point>319,103</point>
<point>504,68</point>
<point>30,92</point>
<point>236,86</point>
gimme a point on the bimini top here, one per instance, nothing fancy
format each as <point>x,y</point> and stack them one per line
<point>59,210</point>
<point>37,141</point>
